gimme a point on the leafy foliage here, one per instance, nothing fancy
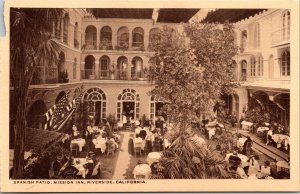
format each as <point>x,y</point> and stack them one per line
<point>192,69</point>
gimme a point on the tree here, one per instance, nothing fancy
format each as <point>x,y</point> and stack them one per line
<point>191,70</point>
<point>31,44</point>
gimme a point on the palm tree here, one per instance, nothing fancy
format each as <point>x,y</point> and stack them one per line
<point>31,44</point>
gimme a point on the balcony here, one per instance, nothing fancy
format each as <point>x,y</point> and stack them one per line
<point>280,37</point>
<point>107,45</point>
<point>91,74</point>
<point>45,75</point>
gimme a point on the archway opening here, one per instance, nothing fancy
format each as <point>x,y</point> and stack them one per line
<point>137,68</point>
<point>128,105</point>
<point>89,67</point>
<point>123,38</point>
<point>104,66</point>
<point>106,38</point>
<point>35,116</point>
<point>243,70</point>
<point>91,37</point>
<point>122,64</point>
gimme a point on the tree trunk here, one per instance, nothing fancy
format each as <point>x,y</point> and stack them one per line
<point>20,127</point>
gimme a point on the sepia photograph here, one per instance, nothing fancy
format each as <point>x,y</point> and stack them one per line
<point>139,94</point>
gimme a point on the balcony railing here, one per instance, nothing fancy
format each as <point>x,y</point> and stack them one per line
<point>91,74</point>
<point>280,36</point>
<point>45,75</point>
<point>89,45</point>
<point>107,45</point>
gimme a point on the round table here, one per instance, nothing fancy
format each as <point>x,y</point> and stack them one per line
<point>153,157</point>
<point>100,143</point>
<point>142,171</point>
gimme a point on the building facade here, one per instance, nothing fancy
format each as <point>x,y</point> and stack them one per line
<point>108,57</point>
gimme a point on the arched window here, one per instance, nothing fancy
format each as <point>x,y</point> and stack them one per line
<point>156,108</point>
<point>74,68</point>
<point>252,66</point>
<point>123,38</point>
<point>65,28</point>
<point>89,67</point>
<point>91,37</point>
<point>243,40</point>
<point>138,37</point>
<point>137,68</point>
<point>76,42</point>
<point>122,64</point>
<point>257,35</point>
<point>286,19</point>
<point>104,64</point>
<point>106,38</point>
<point>285,63</point>
<point>95,99</point>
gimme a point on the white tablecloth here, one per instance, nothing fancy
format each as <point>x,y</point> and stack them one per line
<point>100,143</point>
<point>153,157</point>
<point>262,129</point>
<point>138,142</point>
<point>80,142</point>
<point>241,156</point>
<point>281,139</point>
<point>82,171</point>
<point>142,169</point>
<point>282,166</point>
<point>241,142</point>
<point>246,125</point>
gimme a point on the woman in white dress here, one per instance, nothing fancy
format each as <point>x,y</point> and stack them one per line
<point>254,166</point>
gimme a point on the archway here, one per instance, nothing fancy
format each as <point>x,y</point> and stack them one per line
<point>105,38</point>
<point>137,68</point>
<point>156,108</point>
<point>90,37</point>
<point>243,70</point>
<point>35,115</point>
<point>122,64</point>
<point>104,65</point>
<point>123,38</point>
<point>89,67</point>
<point>128,104</point>
<point>96,100</point>
<point>138,37</point>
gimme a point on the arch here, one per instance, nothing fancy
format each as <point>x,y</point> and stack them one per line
<point>65,28</point>
<point>89,66</point>
<point>244,37</point>
<point>96,100</point>
<point>286,20</point>
<point>122,64</point>
<point>138,37</point>
<point>156,107</point>
<point>105,37</point>
<point>137,68</point>
<point>90,37</point>
<point>154,35</point>
<point>35,116</point>
<point>271,66</point>
<point>104,66</point>
<point>285,63</point>
<point>61,67</point>
<point>123,37</point>
<point>128,103</point>
<point>76,42</point>
<point>243,70</point>
<point>59,96</point>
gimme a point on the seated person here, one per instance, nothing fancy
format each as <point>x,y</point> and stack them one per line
<point>143,134</point>
<point>234,160</point>
<point>247,145</point>
<point>265,169</point>
<point>253,165</point>
<point>241,172</point>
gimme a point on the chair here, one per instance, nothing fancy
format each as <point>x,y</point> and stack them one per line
<point>110,148</point>
<point>74,148</point>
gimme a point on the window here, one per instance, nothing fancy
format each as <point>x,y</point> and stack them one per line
<point>104,63</point>
<point>286,17</point>
<point>105,37</point>
<point>74,68</point>
<point>252,67</point>
<point>260,66</point>
<point>138,37</point>
<point>285,63</point>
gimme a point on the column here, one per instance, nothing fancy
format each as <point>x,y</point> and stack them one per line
<point>114,36</point>
<point>128,69</point>
<point>98,38</point>
<point>97,69</point>
<point>130,39</point>
<point>61,29</point>
<point>146,39</point>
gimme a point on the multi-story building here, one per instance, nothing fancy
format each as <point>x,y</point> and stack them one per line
<point>107,55</point>
<point>263,61</point>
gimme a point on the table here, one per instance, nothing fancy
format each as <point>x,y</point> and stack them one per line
<point>80,166</point>
<point>283,166</point>
<point>281,139</point>
<point>153,157</point>
<point>246,125</point>
<point>241,142</point>
<point>142,169</point>
<point>138,142</point>
<point>262,129</point>
<point>100,143</point>
<point>241,156</point>
<point>80,142</point>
